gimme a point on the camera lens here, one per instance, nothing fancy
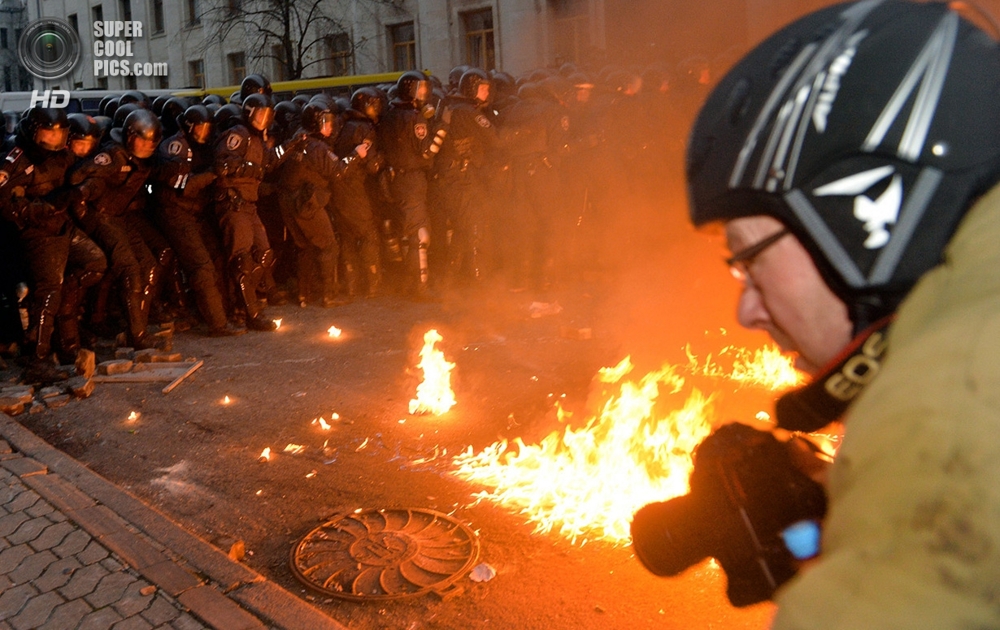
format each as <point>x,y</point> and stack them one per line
<point>49,48</point>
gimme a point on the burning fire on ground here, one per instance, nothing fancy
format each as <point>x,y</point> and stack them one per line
<point>434,393</point>
<point>586,483</point>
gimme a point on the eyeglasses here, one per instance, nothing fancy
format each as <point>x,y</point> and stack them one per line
<point>739,261</point>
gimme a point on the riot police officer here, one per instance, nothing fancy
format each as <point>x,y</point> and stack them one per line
<point>182,180</point>
<point>242,158</point>
<point>410,142</point>
<point>352,204</point>
<point>62,261</point>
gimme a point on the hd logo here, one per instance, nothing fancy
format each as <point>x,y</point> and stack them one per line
<point>49,98</point>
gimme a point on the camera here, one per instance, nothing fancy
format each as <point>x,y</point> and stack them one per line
<point>745,492</point>
<point>49,48</point>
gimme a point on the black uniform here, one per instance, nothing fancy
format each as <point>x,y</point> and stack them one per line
<point>306,179</point>
<point>353,210</point>
<point>410,143</point>
<point>242,158</point>
<point>112,188</point>
<point>62,261</point>
<point>182,193</point>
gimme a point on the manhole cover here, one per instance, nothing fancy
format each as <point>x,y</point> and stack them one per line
<point>385,554</point>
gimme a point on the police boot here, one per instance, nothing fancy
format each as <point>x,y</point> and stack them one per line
<point>327,262</point>
<point>67,321</point>
<point>40,369</point>
<point>247,274</point>
<point>276,296</point>
<point>352,276</point>
<point>305,275</point>
<point>374,281</point>
<point>132,298</point>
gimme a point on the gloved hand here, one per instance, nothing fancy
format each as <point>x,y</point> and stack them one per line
<point>362,150</point>
<point>446,115</point>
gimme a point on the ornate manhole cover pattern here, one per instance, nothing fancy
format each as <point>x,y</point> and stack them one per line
<point>385,554</point>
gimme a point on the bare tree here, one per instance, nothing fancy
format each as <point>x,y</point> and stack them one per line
<point>294,34</point>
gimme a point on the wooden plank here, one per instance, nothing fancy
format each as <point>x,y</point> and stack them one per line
<point>177,381</point>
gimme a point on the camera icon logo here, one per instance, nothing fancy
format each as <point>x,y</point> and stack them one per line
<point>49,48</point>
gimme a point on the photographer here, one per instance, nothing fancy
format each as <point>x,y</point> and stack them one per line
<point>852,160</point>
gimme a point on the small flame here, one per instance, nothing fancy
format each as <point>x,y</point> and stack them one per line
<point>265,455</point>
<point>277,323</point>
<point>434,394</point>
<point>323,424</point>
<point>334,332</point>
<point>311,474</point>
<point>226,400</point>
<point>294,449</point>
<point>132,417</point>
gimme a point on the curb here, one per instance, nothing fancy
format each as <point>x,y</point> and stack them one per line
<point>220,591</point>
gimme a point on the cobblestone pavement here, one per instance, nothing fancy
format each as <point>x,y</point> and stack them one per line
<point>78,552</point>
<point>54,575</point>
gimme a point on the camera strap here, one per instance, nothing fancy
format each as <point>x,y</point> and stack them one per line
<point>828,396</point>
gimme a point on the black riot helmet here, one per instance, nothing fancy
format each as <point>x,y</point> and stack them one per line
<point>122,113</point>
<point>141,133</point>
<point>158,103</point>
<point>169,112</point>
<point>211,99</point>
<point>104,103</point>
<point>368,101</point>
<point>318,119</point>
<point>227,117</point>
<point>196,123</point>
<point>134,96</point>
<point>469,85</point>
<point>110,107</point>
<point>287,116</point>
<point>84,134</point>
<point>867,129</point>
<point>254,84</point>
<point>45,127</point>
<point>455,76</point>
<point>413,87</point>
<point>258,113</point>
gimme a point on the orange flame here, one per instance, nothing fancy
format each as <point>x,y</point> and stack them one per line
<point>586,483</point>
<point>434,394</point>
<point>265,455</point>
<point>334,332</point>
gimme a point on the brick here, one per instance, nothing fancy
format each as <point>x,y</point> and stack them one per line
<point>171,578</point>
<point>75,542</point>
<point>132,549</point>
<point>132,602</point>
<point>282,608</point>
<point>29,530</point>
<point>12,557</point>
<point>186,622</point>
<point>99,620</point>
<point>62,494</point>
<point>111,587</point>
<point>5,583</point>
<point>36,612</point>
<point>14,599</point>
<point>9,523</point>
<point>32,567</point>
<point>112,565</point>
<point>22,501</point>
<point>93,554</point>
<point>24,466</point>
<point>57,574</point>
<point>160,611</point>
<point>133,623</point>
<point>216,610</point>
<point>52,536</point>
<point>83,581</point>
<point>4,446</point>
<point>98,520</point>
<point>67,615</point>
<point>40,508</point>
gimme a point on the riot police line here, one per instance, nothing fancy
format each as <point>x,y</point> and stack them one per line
<point>204,212</point>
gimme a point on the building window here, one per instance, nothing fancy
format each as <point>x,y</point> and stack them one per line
<point>193,14</point>
<point>404,46</point>
<point>158,23</point>
<point>162,83</point>
<point>3,38</point>
<point>571,31</point>
<point>196,70</point>
<point>125,7</point>
<point>278,68</point>
<point>97,13</point>
<point>74,22</point>
<point>7,83</point>
<point>131,83</point>
<point>339,55</point>
<point>237,63</point>
<point>102,83</point>
<point>479,50</point>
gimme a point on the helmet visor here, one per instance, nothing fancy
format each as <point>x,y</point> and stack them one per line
<point>52,139</point>
<point>142,148</point>
<point>201,132</point>
<point>261,118</point>
<point>82,146</point>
